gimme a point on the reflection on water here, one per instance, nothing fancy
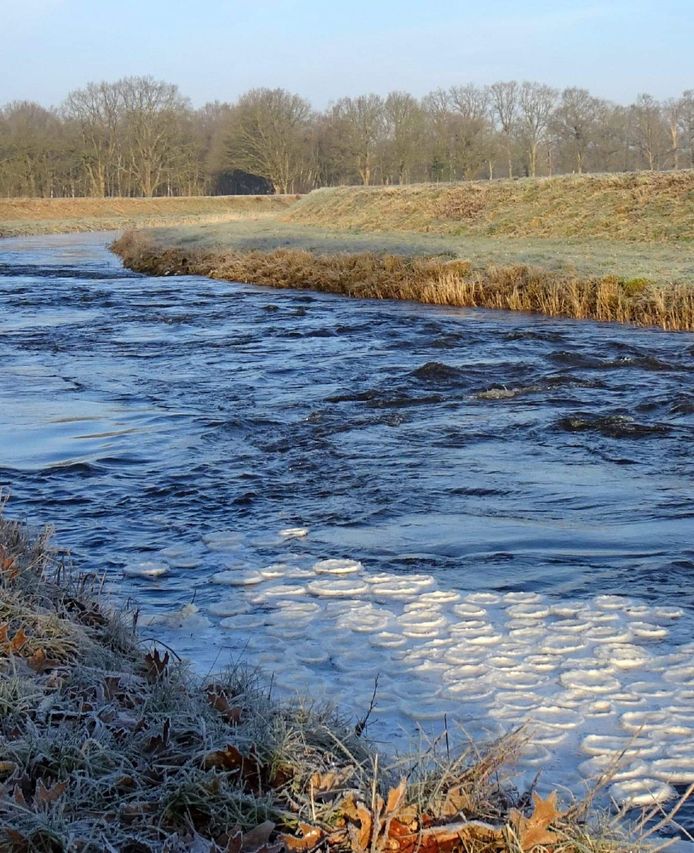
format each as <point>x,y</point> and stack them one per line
<point>488,481</point>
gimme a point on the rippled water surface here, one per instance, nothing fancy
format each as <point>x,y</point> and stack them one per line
<point>514,493</point>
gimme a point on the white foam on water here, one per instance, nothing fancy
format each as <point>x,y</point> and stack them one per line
<point>590,680</point>
<point>642,792</point>
<point>668,613</point>
<point>469,610</point>
<point>612,602</point>
<point>188,618</point>
<point>577,673</point>
<point>624,656</point>
<point>281,590</point>
<point>147,569</point>
<point>230,607</point>
<point>676,771</point>
<point>337,567</point>
<point>235,578</point>
<point>337,588</point>
<point>521,597</point>
<point>648,630</point>
<point>387,640</point>
<point>223,540</point>
<point>243,621</point>
<point>294,532</point>
<point>483,598</point>
<point>528,611</point>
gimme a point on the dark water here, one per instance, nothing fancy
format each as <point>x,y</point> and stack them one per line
<point>494,451</point>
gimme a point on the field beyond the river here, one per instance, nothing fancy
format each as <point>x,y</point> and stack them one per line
<point>25,216</point>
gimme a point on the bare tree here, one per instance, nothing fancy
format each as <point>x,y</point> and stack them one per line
<point>575,123</point>
<point>649,131</point>
<point>361,123</point>
<point>686,120</point>
<point>404,129</point>
<point>98,111</point>
<point>536,104</point>
<point>268,136</point>
<point>504,99</point>
<point>152,115</point>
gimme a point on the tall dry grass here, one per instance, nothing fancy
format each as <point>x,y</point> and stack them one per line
<point>434,281</point>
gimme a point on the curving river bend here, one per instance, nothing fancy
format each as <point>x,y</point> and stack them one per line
<point>506,500</point>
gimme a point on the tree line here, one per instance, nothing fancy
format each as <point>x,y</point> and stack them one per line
<point>141,137</point>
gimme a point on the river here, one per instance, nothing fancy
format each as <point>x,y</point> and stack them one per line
<point>491,512</point>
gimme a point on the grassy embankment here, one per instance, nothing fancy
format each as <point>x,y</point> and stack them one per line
<point>108,745</point>
<point>23,216</point>
<point>615,248</point>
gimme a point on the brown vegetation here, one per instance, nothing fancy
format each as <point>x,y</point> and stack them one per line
<point>434,281</point>
<point>19,216</point>
<point>633,207</point>
<point>106,745</point>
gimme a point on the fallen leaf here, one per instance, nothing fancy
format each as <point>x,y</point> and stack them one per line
<point>363,835</point>
<point>534,831</point>
<point>234,841</point>
<point>46,795</point>
<point>224,759</point>
<point>395,798</point>
<point>456,801</point>
<point>155,664</point>
<point>330,784</point>
<point>311,836</point>
<point>39,661</point>
<point>18,641</point>
<point>257,838</point>
<point>218,699</point>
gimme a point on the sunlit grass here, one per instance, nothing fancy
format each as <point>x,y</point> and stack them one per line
<point>434,280</point>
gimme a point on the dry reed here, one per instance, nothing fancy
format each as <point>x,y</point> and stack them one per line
<point>432,280</point>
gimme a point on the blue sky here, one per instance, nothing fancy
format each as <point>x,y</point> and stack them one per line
<point>217,49</point>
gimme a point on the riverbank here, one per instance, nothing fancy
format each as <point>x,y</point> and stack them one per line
<point>26,216</point>
<point>581,281</point>
<point>647,207</point>
<point>108,744</point>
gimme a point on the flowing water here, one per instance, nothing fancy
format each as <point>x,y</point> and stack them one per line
<point>489,511</point>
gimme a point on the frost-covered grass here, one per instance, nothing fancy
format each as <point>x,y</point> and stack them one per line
<point>108,745</point>
<point>642,206</point>
<point>375,268</point>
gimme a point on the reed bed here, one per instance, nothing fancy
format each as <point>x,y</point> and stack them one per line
<point>430,280</point>
<point>111,744</point>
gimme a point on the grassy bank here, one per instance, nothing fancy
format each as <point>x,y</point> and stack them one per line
<point>106,744</point>
<point>644,206</point>
<point>19,217</point>
<point>435,271</point>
